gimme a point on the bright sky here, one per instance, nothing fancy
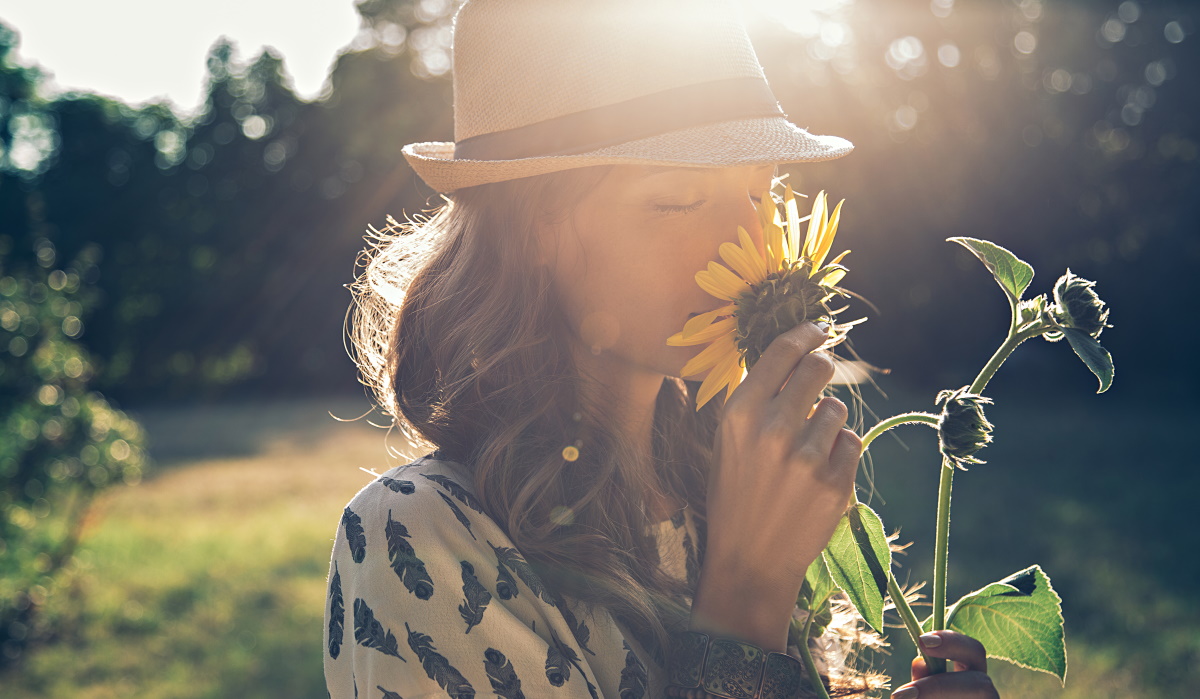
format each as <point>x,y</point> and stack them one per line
<point>137,50</point>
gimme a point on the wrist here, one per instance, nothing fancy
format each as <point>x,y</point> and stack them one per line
<point>756,611</point>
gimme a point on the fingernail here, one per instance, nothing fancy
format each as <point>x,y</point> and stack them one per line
<point>931,640</point>
<point>905,693</point>
<point>822,326</point>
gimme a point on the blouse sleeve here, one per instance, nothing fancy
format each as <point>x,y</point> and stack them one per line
<point>427,597</point>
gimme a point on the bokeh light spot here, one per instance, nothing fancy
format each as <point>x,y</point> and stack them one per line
<point>949,55</point>
<point>1113,30</point>
<point>1173,32</point>
<point>1129,12</point>
<point>1025,42</point>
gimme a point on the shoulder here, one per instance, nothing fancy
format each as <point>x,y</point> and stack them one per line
<point>429,498</point>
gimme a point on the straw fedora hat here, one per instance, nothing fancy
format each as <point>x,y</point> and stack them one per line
<point>548,85</point>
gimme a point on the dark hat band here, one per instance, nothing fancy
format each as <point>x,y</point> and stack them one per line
<point>637,118</point>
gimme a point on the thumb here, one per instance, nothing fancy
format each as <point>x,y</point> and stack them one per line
<point>919,669</point>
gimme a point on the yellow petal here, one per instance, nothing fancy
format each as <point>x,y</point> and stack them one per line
<point>722,278</point>
<point>743,262</point>
<point>709,357</point>
<point>752,252</point>
<point>777,250</point>
<point>833,277</point>
<point>717,379</point>
<point>830,230</point>
<point>725,326</point>
<point>839,258</point>
<point>700,322</point>
<point>793,222</point>
<point>768,214</point>
<point>706,282</point>
<point>736,374</point>
<point>815,223</point>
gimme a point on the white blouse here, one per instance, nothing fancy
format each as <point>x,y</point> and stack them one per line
<point>428,597</point>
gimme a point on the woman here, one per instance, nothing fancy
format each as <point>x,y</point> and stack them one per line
<point>580,523</point>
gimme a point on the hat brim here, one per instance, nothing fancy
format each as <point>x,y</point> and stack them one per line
<point>758,141</point>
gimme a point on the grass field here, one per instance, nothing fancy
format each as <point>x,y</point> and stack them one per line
<point>207,580</point>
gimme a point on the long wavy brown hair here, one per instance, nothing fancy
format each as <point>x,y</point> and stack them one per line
<point>459,335</point>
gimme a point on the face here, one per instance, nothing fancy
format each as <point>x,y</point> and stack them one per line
<point>624,263</point>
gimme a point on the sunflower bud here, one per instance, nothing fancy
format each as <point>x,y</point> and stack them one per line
<point>962,427</point>
<point>1077,305</point>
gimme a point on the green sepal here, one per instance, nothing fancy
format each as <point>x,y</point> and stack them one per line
<point>1093,355</point>
<point>1011,272</point>
<point>859,558</point>
<point>1018,620</point>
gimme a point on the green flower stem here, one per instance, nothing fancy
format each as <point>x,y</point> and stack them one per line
<point>895,421</point>
<point>902,607</point>
<point>941,544</point>
<point>906,614</point>
<point>1013,340</point>
<point>940,551</point>
<point>806,655</point>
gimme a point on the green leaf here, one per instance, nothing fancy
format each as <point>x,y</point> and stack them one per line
<point>859,559</point>
<point>1011,272</point>
<point>1093,355</point>
<point>818,584</point>
<point>1018,619</point>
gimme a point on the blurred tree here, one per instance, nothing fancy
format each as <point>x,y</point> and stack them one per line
<point>61,441</point>
<point>1060,130</point>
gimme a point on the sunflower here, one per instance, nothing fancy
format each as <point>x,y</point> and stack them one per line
<point>767,292</point>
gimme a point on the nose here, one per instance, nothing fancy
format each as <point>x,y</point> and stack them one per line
<point>743,212</point>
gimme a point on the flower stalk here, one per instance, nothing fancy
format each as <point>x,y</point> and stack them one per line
<point>806,656</point>
<point>915,418</point>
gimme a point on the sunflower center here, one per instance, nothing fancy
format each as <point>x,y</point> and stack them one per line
<point>777,304</point>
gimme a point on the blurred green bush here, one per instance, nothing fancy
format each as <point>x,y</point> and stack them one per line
<point>61,441</point>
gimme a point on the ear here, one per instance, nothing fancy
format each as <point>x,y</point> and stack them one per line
<point>547,234</point>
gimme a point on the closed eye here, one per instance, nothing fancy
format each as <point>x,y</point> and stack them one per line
<point>679,208</point>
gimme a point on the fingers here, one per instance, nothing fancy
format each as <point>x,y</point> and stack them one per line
<point>779,361</point>
<point>823,428</point>
<point>949,685</point>
<point>966,652</point>
<point>970,679</point>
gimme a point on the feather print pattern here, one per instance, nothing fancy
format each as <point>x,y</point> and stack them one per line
<point>500,672</point>
<point>398,486</point>
<point>558,670</point>
<point>387,694</point>
<point>337,614</point>
<point>460,493</point>
<point>437,667</point>
<point>509,558</point>
<point>458,514</point>
<point>409,568</point>
<point>566,657</point>
<point>578,628</point>
<point>506,586</point>
<point>633,677</point>
<point>475,597</point>
<point>355,536</point>
<point>370,633</point>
